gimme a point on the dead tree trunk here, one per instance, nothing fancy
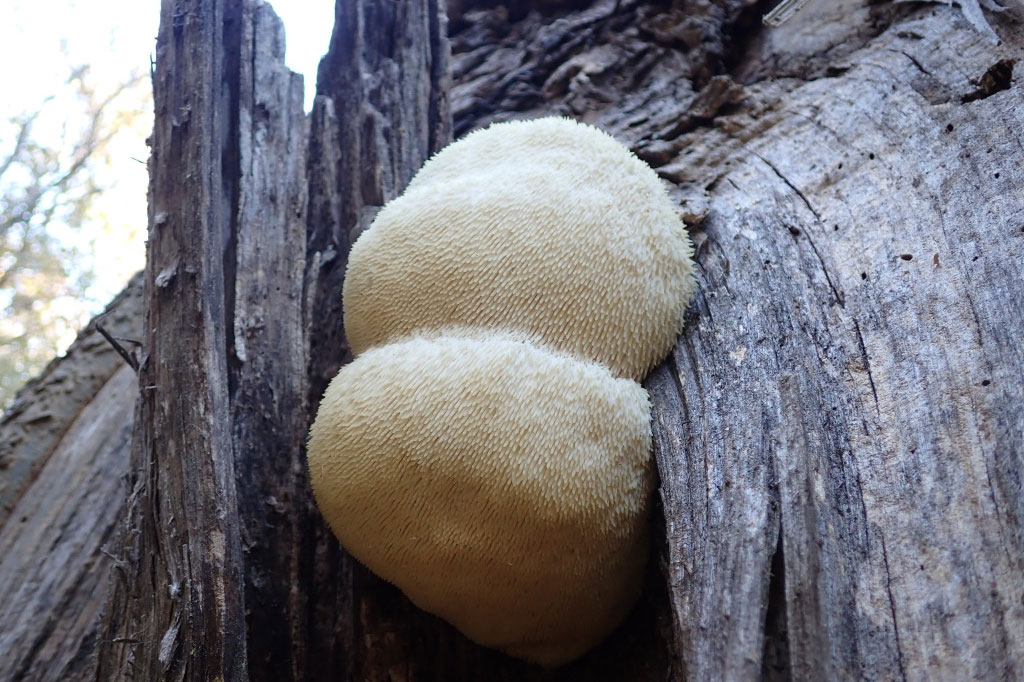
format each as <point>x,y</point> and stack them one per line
<point>231,574</point>
<point>63,458</point>
<point>839,432</point>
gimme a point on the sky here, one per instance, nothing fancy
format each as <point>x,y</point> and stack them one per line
<point>38,42</point>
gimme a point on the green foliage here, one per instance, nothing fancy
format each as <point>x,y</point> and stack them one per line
<point>54,162</point>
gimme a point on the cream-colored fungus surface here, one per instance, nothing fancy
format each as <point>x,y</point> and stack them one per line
<point>488,450</point>
<point>501,486</point>
<point>547,226</point>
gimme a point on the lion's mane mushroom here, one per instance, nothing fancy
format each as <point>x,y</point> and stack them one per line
<point>503,487</point>
<point>547,226</point>
<point>488,450</point>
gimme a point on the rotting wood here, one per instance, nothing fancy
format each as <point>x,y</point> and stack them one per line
<point>229,263</point>
<point>54,566</point>
<point>179,610</point>
<point>55,546</point>
<point>44,408</point>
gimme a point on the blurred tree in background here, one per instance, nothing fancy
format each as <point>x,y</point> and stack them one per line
<point>55,160</point>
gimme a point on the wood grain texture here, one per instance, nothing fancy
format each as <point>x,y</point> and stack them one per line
<point>853,348</point>
<point>56,566</point>
<point>44,408</point>
<point>890,415</point>
<point>180,611</point>
<point>68,434</point>
<point>229,262</point>
<point>267,351</point>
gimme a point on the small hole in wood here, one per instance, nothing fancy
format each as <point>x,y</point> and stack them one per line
<point>997,78</point>
<point>906,256</point>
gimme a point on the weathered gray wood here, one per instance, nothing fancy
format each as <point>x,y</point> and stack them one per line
<point>854,345</point>
<point>179,612</point>
<point>42,411</point>
<point>241,236</point>
<point>267,353</point>
<point>54,568</point>
<point>68,433</point>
